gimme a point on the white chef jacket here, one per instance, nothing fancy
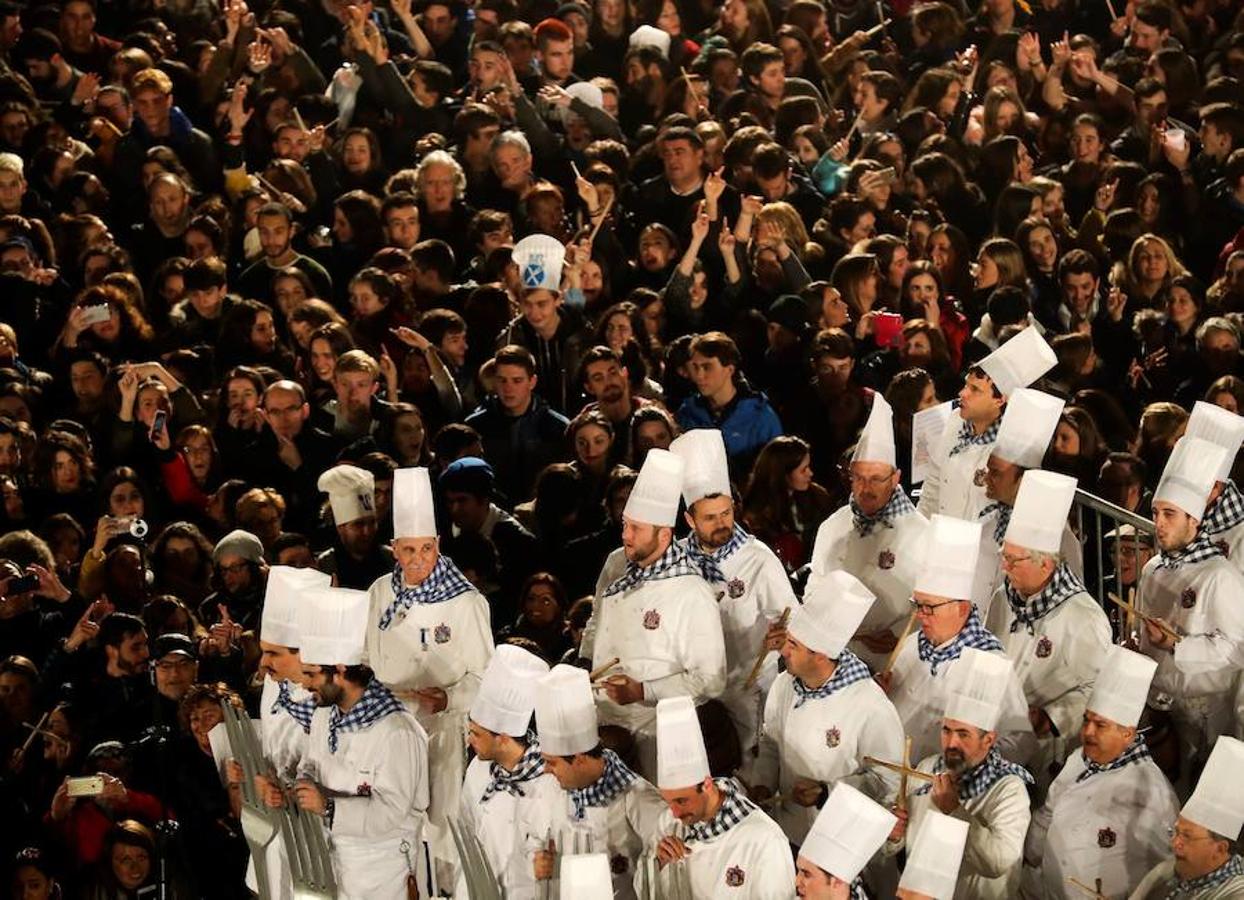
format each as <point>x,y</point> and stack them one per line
<point>445,645</point>
<point>1112,826</point>
<point>378,779</point>
<point>1156,884</point>
<point>955,485</point>
<point>826,740</point>
<point>886,561</point>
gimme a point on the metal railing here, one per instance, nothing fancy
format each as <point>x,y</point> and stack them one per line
<point>1096,518</point>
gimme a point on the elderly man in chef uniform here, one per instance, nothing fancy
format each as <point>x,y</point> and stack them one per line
<point>825,713</point>
<point>844,837</point>
<point>1224,514</point>
<point>429,640</point>
<point>602,804</point>
<point>955,483</point>
<point>1108,812</point>
<point>659,618</point>
<point>712,837</point>
<point>1052,630</point>
<point>747,578</point>
<point>1192,589</point>
<point>973,782</point>
<point>506,794</point>
<point>1206,863</point>
<point>947,624</point>
<point>878,537</point>
<point>366,768</point>
<point>934,859</point>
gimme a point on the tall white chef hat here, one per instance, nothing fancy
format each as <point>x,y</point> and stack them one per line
<point>585,875</point>
<point>952,547</point>
<point>507,691</point>
<point>1041,509</point>
<point>1019,362</point>
<point>705,470</point>
<point>975,688</point>
<point>332,626</point>
<point>281,599</point>
<point>566,712</point>
<point>414,513</point>
<point>1190,474</point>
<point>351,492</point>
<point>682,761</point>
<point>834,605</point>
<point>1220,426</point>
<point>654,499</point>
<point>876,443</point>
<point>1122,686</point>
<point>847,832</point>
<point>539,259</point>
<point>1027,427</point>
<point>933,857</point>
<point>647,36</point>
<point>1218,802</point>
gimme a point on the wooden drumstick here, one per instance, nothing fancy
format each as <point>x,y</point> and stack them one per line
<point>889,663</point>
<point>601,670</point>
<point>764,652</point>
<point>902,780</point>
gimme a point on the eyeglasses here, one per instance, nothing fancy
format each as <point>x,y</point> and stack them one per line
<point>1184,838</point>
<point>875,481</point>
<point>235,569</point>
<point>928,609</point>
<point>1010,560</point>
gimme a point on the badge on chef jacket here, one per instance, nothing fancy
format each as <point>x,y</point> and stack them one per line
<point>833,737</point>
<point>363,790</point>
<point>618,864</point>
<point>441,634</point>
<point>735,876</point>
<point>1106,838</point>
<point>652,619</point>
<point>735,587</point>
<point>978,478</point>
<point>1188,598</point>
<point>1044,647</point>
<point>885,560</point>
<point>1224,547</point>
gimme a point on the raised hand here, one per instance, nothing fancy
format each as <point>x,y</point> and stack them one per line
<point>259,56</point>
<point>714,186</point>
<point>1060,52</point>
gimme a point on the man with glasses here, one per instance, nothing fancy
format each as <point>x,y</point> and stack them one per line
<point>878,537</point>
<point>1052,630</point>
<point>948,624</point>
<point>239,578</point>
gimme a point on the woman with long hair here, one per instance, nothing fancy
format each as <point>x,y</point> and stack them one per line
<point>181,560</point>
<point>248,337</point>
<point>123,335</point>
<point>951,253</point>
<point>857,279</point>
<point>782,505</point>
<point>326,345</point>
<point>923,296</point>
<point>64,477</point>
<point>541,616</point>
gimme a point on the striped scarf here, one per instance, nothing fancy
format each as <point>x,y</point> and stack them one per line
<point>613,781</point>
<point>376,703</point>
<point>299,712</point>
<point>1227,511</point>
<point>709,563</point>
<point>1003,520</point>
<point>895,508</point>
<point>443,583</point>
<point>734,809</point>
<point>968,437</point>
<point>1201,549</point>
<point>849,670</point>
<point>672,564</point>
<point>530,766</point>
<point>1232,868</point>
<point>980,778</point>
<point>1060,588</point>
<point>1137,751</point>
<point>972,634</point>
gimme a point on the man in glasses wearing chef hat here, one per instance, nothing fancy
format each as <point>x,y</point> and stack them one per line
<point>429,640</point>
<point>1108,812</point>
<point>878,537</point>
<point>955,484</point>
<point>659,618</point>
<point>507,799</point>
<point>947,624</point>
<point>1052,630</point>
<point>750,583</point>
<point>972,781</point>
<point>847,834</point>
<point>825,713</point>
<point>712,836</point>
<point>356,557</point>
<point>603,804</point>
<point>1205,839</point>
<point>366,767</point>
<point>1192,590</point>
<point>1224,514</point>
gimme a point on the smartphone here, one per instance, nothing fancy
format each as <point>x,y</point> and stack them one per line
<point>23,584</point>
<point>87,786</point>
<point>887,329</point>
<point>93,315</point>
<point>888,175</point>
<point>158,423</point>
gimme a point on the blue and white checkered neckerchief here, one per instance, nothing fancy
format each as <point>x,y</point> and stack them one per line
<point>980,778</point>
<point>376,703</point>
<point>672,564</point>
<point>1227,511</point>
<point>735,807</point>
<point>1201,549</point>
<point>709,563</point>
<point>968,437</point>
<point>604,790</point>
<point>895,508</point>
<point>443,583</point>
<point>530,766</point>
<point>1059,589</point>
<point>972,634</point>
<point>299,712</point>
<point>857,890</point>
<point>849,670</point>
<point>1003,520</point>
<point>1137,751</point>
<point>1232,868</point>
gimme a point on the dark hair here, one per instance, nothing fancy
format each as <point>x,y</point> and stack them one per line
<point>515,355</point>
<point>117,627</point>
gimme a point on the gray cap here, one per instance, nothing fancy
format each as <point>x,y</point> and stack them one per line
<point>239,543</point>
